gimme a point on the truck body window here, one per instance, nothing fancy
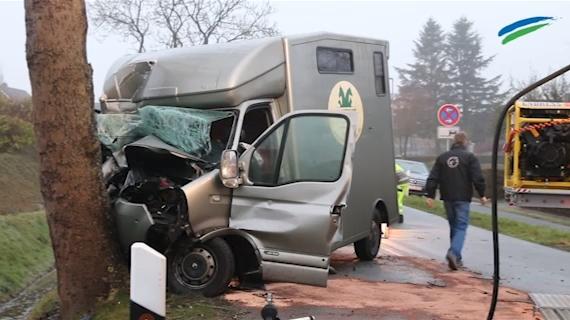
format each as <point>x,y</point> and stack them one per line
<point>379,74</point>
<point>334,60</point>
<point>312,148</point>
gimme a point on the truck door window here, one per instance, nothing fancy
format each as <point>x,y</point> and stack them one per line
<point>255,122</point>
<point>264,162</point>
<point>379,78</point>
<point>312,149</point>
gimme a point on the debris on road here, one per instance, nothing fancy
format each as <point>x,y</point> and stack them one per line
<point>424,289</point>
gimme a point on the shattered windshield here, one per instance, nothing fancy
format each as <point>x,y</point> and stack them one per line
<point>201,133</point>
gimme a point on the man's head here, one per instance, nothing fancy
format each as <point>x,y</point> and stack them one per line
<point>461,138</point>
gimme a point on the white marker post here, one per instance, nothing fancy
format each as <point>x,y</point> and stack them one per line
<point>148,283</point>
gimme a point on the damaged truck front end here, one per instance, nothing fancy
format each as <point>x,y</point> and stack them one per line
<point>154,159</point>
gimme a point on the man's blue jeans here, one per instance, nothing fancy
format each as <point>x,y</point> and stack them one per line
<point>458,218</point>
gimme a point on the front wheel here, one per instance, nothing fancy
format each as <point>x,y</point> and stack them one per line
<point>200,267</point>
<point>367,249</point>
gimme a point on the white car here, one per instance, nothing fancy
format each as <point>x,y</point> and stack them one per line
<point>418,173</point>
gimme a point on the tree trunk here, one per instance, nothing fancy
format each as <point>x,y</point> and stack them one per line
<point>70,169</point>
<point>405,153</point>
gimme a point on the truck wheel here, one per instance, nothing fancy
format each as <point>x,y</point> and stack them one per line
<point>200,267</point>
<point>367,249</point>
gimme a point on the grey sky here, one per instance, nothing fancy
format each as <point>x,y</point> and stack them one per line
<point>397,22</point>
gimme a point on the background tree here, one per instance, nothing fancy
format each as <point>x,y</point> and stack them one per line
<point>15,134</point>
<point>556,90</point>
<point>424,83</point>
<point>16,131</point>
<point>178,23</point>
<point>17,109</point>
<point>129,18</point>
<point>476,95</point>
<point>69,153</point>
<point>405,116</point>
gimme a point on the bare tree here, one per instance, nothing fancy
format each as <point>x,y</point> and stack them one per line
<point>226,21</point>
<point>170,16</point>
<point>178,23</point>
<point>556,90</point>
<point>130,18</point>
<point>70,169</point>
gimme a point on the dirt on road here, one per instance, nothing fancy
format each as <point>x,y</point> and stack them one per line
<point>390,288</point>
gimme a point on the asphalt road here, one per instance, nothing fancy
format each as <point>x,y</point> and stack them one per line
<point>526,266</point>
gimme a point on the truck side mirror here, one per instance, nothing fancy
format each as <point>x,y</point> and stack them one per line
<point>229,169</point>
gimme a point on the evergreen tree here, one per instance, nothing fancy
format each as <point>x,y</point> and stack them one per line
<point>426,80</point>
<point>477,96</point>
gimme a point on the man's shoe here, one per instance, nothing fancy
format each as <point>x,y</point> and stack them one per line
<point>460,264</point>
<point>451,260</point>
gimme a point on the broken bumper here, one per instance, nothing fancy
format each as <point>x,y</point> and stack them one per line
<point>133,221</point>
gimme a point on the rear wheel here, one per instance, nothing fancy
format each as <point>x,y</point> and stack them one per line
<point>200,267</point>
<point>367,249</point>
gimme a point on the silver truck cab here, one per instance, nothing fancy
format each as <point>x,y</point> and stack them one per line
<point>251,160</point>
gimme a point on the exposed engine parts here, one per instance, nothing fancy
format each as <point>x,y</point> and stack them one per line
<point>545,153</point>
<point>155,186</point>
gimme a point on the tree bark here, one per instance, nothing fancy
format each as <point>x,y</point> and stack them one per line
<point>405,153</point>
<point>71,184</point>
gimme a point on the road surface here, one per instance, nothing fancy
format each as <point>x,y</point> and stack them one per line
<point>526,266</point>
<point>387,288</point>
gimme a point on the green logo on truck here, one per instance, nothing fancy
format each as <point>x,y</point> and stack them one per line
<point>344,100</point>
<point>344,97</point>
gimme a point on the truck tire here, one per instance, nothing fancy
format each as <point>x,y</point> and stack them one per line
<point>206,267</point>
<point>367,249</point>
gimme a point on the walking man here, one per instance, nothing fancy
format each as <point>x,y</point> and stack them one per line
<point>456,172</point>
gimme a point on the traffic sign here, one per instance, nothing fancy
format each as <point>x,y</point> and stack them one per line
<point>447,132</point>
<point>448,115</point>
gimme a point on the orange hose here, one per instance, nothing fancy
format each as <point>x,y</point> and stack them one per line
<point>509,144</point>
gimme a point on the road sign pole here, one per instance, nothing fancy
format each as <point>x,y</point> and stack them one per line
<point>448,116</point>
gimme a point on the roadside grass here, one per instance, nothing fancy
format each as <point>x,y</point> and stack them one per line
<point>177,307</point>
<point>19,184</point>
<point>543,215</point>
<point>46,306</point>
<point>538,234</point>
<point>25,250</point>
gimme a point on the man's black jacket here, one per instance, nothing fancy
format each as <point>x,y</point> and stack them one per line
<point>456,172</point>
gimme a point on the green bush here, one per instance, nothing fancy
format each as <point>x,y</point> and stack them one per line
<point>15,134</point>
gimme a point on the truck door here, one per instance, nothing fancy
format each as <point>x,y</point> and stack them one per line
<point>296,180</point>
